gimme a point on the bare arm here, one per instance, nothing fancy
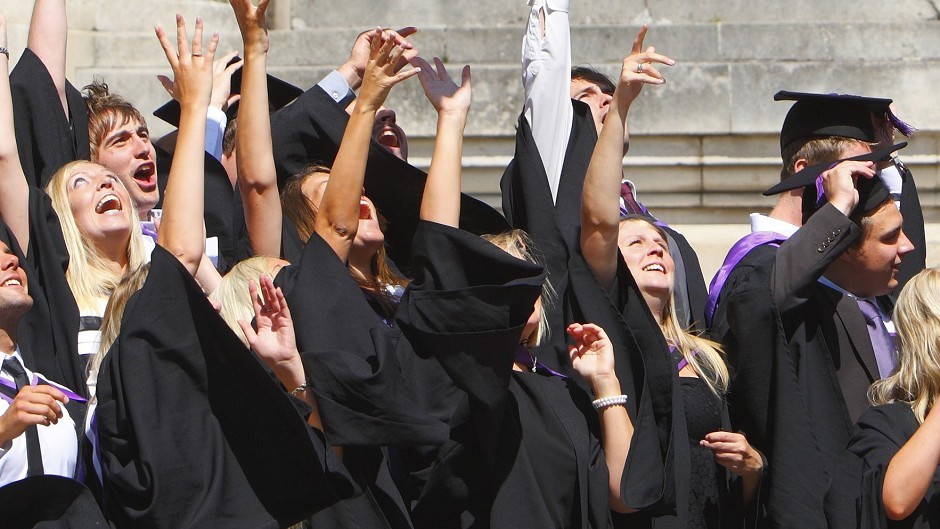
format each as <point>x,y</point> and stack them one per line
<point>48,39</point>
<point>912,469</point>
<point>254,151</point>
<point>441,200</point>
<point>14,200</point>
<point>600,199</point>
<point>592,356</point>
<point>338,216</point>
<point>183,203</point>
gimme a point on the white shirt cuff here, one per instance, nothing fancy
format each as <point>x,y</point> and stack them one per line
<point>335,85</point>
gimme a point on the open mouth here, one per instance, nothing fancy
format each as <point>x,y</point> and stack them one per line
<point>654,267</point>
<point>109,202</point>
<point>12,282</point>
<point>145,175</point>
<point>389,138</point>
<point>365,212</point>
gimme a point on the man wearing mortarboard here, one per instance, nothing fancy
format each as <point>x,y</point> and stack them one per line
<point>809,327</point>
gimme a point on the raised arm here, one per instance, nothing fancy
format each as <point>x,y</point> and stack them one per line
<point>338,216</point>
<point>254,151</point>
<point>546,80</point>
<point>592,356</point>
<point>48,39</point>
<point>14,200</point>
<point>181,230</point>
<point>441,200</point>
<point>600,199</point>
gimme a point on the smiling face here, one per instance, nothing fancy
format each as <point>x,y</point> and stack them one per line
<point>870,268</point>
<point>646,253</point>
<point>388,134</point>
<point>369,236</point>
<point>127,152</point>
<point>99,202</point>
<point>14,293</point>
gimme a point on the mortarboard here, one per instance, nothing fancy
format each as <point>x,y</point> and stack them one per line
<point>280,93</point>
<point>850,116</point>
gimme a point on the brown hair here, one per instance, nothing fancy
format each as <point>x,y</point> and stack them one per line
<point>814,150</point>
<point>106,111</point>
<point>303,214</point>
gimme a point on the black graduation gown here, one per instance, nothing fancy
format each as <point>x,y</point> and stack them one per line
<point>801,368</point>
<point>371,389</point>
<point>913,216</point>
<point>881,432</point>
<point>48,333</point>
<point>224,215</point>
<point>49,502</point>
<point>192,430</point>
<point>310,130</point>
<point>535,440</point>
<point>46,138</point>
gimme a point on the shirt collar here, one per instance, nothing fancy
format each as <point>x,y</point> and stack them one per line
<point>764,223</point>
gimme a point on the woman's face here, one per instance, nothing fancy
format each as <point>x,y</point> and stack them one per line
<point>99,202</point>
<point>369,234</point>
<point>532,325</point>
<point>646,253</point>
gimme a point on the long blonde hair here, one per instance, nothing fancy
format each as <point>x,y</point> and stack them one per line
<point>704,356</point>
<point>233,293</point>
<point>114,313</point>
<point>89,276</point>
<point>916,380</point>
<point>518,244</point>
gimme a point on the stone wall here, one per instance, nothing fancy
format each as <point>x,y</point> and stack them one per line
<point>704,144</point>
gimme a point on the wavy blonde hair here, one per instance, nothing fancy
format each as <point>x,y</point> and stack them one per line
<point>518,244</point>
<point>89,276</point>
<point>916,380</point>
<point>704,356</point>
<point>233,293</point>
<point>114,313</point>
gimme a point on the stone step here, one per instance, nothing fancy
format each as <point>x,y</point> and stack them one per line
<point>395,13</point>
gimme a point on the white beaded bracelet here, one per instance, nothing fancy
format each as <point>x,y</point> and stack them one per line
<point>606,402</point>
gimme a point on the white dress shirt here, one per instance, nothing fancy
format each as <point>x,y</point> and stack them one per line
<point>58,441</point>
<point>546,78</point>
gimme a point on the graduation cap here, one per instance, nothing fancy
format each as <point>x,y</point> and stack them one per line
<point>280,93</point>
<point>850,116</point>
<point>871,191</point>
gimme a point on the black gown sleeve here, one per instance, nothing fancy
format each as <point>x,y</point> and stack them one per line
<point>192,430</point>
<point>881,432</point>
<point>468,309</point>
<point>311,129</point>
<point>46,138</point>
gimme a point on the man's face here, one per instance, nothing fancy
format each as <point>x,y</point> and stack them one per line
<point>595,98</point>
<point>388,134</point>
<point>127,152</point>
<point>876,259</point>
<point>14,294</point>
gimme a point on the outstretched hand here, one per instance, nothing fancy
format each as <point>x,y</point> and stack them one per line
<point>592,354</point>
<point>274,341</point>
<point>639,69</point>
<point>384,70</point>
<point>443,93</point>
<point>355,66</point>
<point>192,69</point>
<point>252,24</point>
<point>222,97</point>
